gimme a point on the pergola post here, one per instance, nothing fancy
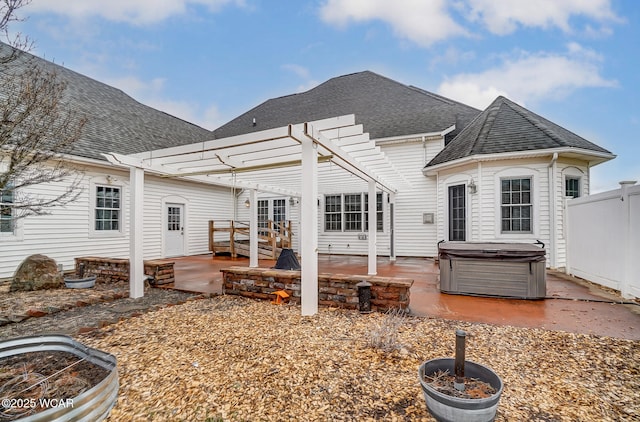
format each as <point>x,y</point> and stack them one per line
<point>136,218</point>
<point>373,225</point>
<point>253,228</point>
<point>309,224</point>
<point>392,227</point>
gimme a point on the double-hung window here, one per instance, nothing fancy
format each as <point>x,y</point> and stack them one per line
<point>353,213</point>
<point>516,205</point>
<point>379,213</point>
<point>7,220</point>
<point>107,209</point>
<point>349,212</point>
<point>333,213</point>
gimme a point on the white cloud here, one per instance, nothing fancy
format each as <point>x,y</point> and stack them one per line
<point>423,22</point>
<point>529,78</point>
<point>504,16</point>
<point>137,12</point>
<point>426,22</point>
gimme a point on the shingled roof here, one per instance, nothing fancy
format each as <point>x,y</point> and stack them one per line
<point>507,127</point>
<point>384,107</point>
<point>116,122</point>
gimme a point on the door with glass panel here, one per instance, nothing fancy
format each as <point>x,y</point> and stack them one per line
<point>457,213</point>
<point>174,230</point>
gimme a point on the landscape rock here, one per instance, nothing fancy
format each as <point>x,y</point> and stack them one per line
<point>37,272</point>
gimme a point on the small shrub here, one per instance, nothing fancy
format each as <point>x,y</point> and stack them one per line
<point>384,335</point>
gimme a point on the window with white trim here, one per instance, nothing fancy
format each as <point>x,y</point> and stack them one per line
<point>7,220</point>
<point>274,210</point>
<point>333,213</point>
<point>379,213</point>
<point>353,213</point>
<point>263,213</point>
<point>348,212</point>
<point>572,186</point>
<point>107,209</point>
<point>516,205</point>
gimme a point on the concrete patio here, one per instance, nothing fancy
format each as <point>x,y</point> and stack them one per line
<point>572,305</point>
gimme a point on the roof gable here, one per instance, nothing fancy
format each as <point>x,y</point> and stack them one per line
<point>505,126</point>
<point>385,107</point>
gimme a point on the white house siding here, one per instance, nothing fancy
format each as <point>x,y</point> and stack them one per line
<point>62,235</point>
<point>573,168</point>
<point>413,238</point>
<point>331,179</point>
<point>483,207</point>
<point>202,203</point>
<point>66,232</point>
<point>461,175</point>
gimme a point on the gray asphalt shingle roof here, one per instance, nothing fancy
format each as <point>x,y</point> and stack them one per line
<point>507,127</point>
<point>116,122</point>
<point>386,108</point>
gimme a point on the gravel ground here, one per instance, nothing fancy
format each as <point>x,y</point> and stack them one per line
<point>230,358</point>
<point>73,311</point>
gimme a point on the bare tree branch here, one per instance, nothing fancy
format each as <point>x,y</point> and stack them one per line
<point>8,14</point>
<point>37,129</point>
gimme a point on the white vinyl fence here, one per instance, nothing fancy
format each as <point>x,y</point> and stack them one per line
<point>603,238</point>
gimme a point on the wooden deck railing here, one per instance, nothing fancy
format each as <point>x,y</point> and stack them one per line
<point>274,237</point>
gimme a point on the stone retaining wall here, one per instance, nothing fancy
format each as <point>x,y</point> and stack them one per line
<point>337,290</point>
<point>112,270</point>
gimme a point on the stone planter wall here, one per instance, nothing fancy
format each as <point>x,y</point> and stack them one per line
<point>113,270</point>
<point>337,290</point>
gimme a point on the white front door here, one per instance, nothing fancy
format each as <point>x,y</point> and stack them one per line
<point>174,230</point>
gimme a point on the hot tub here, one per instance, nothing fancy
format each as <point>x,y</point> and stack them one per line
<point>515,270</point>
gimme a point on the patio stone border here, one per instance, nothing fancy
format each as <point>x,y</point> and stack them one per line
<point>113,270</point>
<point>335,290</point>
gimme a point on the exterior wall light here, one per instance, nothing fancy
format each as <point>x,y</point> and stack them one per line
<point>247,203</point>
<point>472,187</point>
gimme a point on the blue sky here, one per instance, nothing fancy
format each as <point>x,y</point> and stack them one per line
<point>575,62</point>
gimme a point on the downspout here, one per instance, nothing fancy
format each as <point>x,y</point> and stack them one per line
<point>424,150</point>
<point>438,211</point>
<point>553,214</point>
<point>479,201</point>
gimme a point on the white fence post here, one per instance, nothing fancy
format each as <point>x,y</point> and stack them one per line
<point>626,282</point>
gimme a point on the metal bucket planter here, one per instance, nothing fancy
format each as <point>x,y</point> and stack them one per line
<point>91,405</point>
<point>80,283</point>
<point>446,408</point>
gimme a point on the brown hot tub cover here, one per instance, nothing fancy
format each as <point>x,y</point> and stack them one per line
<point>515,252</point>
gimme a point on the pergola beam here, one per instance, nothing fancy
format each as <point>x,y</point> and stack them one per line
<point>337,140</point>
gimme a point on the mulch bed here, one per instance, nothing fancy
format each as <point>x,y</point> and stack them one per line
<point>230,358</point>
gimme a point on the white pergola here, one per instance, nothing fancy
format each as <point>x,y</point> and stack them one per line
<point>231,162</point>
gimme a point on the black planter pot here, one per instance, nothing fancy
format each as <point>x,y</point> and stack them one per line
<point>447,408</point>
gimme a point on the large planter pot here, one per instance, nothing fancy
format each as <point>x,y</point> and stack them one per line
<point>446,408</point>
<point>92,405</point>
<point>80,283</point>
